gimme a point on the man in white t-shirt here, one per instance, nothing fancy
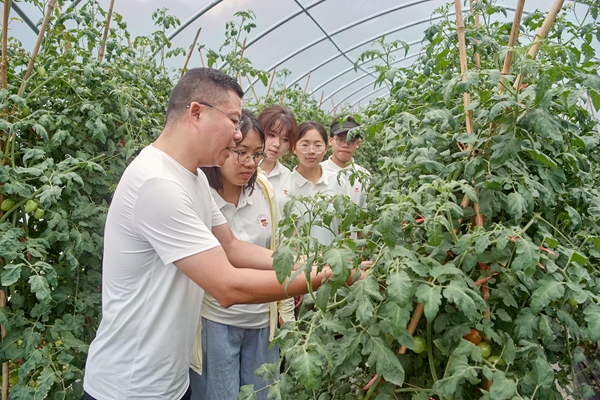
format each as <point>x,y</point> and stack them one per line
<point>165,242</point>
<point>342,153</point>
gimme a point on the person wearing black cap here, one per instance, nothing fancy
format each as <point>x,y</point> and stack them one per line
<point>342,152</point>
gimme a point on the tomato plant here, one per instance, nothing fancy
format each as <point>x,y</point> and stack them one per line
<point>512,208</point>
<point>59,164</point>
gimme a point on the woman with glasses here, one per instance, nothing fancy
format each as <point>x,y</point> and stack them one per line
<point>233,342</point>
<point>281,131</point>
<point>309,177</point>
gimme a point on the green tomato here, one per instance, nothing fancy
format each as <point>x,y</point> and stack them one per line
<point>31,206</point>
<point>486,349</point>
<point>496,361</point>
<point>39,213</point>
<point>572,302</point>
<point>26,111</point>
<point>421,344</point>
<point>42,71</point>
<point>7,204</point>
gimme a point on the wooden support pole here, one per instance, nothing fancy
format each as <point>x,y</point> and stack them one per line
<point>201,58</point>
<point>269,86</point>
<point>462,50</point>
<point>189,55</point>
<point>5,366</point>
<point>514,34</point>
<point>38,44</point>
<point>321,101</point>
<point>106,29</point>
<point>239,75</point>
<point>477,25</point>
<point>252,87</point>
<point>4,64</point>
<point>542,34</point>
<point>305,87</point>
<point>412,325</point>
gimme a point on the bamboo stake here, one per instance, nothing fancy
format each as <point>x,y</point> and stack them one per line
<point>333,107</point>
<point>477,25</point>
<point>201,58</point>
<point>187,59</point>
<point>305,87</point>
<point>38,43</point>
<point>4,72</point>
<point>4,65</point>
<point>239,75</point>
<point>462,50</point>
<point>5,367</point>
<point>514,34</point>
<point>270,83</point>
<point>282,95</point>
<point>542,34</point>
<point>307,80</point>
<point>106,29</point>
<point>412,325</point>
<point>252,87</point>
<point>321,101</point>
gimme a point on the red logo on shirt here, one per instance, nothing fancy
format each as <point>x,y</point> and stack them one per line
<point>285,191</point>
<point>262,221</point>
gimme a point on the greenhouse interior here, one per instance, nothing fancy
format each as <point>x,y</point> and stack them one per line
<point>402,199</point>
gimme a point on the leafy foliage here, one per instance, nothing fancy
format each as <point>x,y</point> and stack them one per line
<point>495,230</point>
<point>64,143</point>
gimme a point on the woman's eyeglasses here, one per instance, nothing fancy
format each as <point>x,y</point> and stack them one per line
<point>244,156</point>
<point>305,147</point>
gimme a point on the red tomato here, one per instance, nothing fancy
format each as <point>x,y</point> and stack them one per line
<point>473,336</point>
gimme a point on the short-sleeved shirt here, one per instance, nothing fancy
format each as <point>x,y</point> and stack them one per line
<point>277,175</point>
<point>297,185</point>
<point>161,212</point>
<point>251,222</point>
<point>359,195</point>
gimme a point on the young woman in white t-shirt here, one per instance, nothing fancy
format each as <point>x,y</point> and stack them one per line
<point>234,341</point>
<point>309,178</point>
<point>281,131</point>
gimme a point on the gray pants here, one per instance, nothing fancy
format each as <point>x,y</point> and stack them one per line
<point>230,356</point>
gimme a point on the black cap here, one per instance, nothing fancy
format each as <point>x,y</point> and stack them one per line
<point>336,129</point>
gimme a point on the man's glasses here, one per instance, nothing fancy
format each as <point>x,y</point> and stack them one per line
<point>305,147</point>
<point>244,156</point>
<point>238,122</point>
<point>343,139</point>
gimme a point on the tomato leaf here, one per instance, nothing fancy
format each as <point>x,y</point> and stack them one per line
<point>468,302</point>
<point>386,363</point>
<point>592,317</point>
<point>528,256</point>
<point>431,297</point>
<point>459,371</point>
<point>283,261</point>
<point>502,388</point>
<point>543,372</point>
<point>307,366</point>
<point>399,288</point>
<point>549,290</point>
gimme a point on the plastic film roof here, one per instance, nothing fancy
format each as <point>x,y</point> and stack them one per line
<point>319,41</point>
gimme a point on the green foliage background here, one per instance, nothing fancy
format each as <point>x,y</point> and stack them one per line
<point>64,143</point>
<point>533,174</point>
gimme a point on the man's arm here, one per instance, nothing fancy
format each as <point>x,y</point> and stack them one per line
<point>212,271</point>
<point>243,254</point>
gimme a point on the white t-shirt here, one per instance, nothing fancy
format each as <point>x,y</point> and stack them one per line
<point>160,213</point>
<point>359,195</point>
<point>278,174</point>
<point>296,185</point>
<point>251,222</point>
